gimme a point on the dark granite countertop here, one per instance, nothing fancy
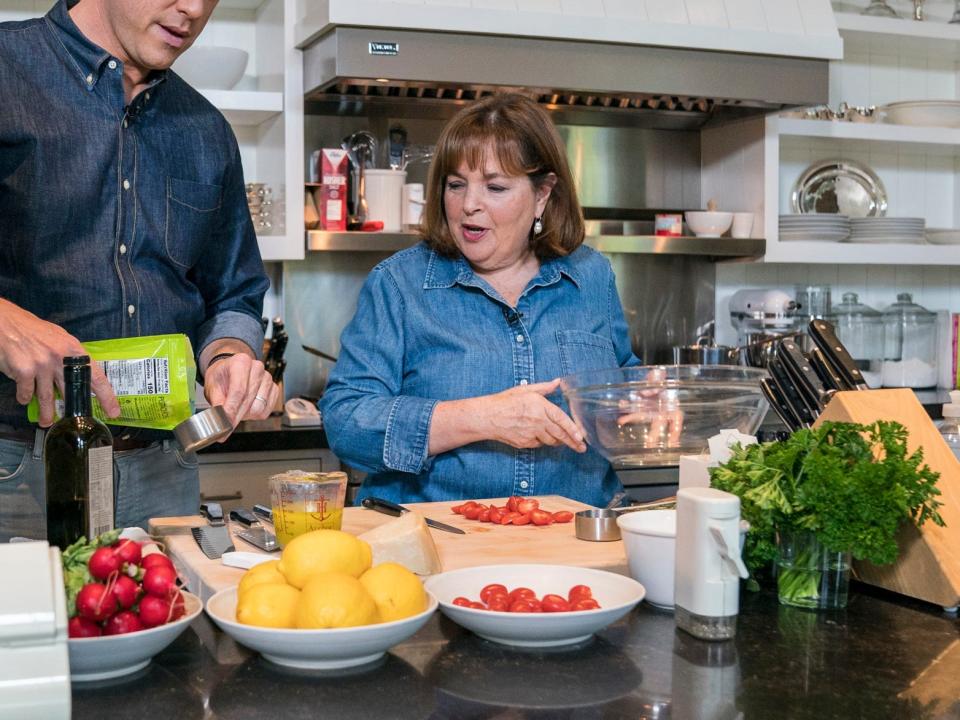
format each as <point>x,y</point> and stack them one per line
<point>270,434</point>
<point>883,657</point>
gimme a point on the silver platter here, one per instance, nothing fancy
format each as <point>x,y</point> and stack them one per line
<point>839,186</point>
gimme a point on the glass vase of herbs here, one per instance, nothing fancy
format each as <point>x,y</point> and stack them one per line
<point>823,496</point>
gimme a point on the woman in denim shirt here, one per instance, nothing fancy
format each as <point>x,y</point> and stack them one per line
<point>447,383</point>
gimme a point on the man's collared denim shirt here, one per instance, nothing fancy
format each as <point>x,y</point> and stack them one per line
<point>427,329</point>
<point>117,221</point>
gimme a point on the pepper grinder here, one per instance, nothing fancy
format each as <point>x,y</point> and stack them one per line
<point>708,564</point>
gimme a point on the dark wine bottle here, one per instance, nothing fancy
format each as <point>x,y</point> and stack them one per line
<point>78,462</point>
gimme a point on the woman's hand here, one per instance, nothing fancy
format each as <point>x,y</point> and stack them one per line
<point>659,421</point>
<point>521,417</point>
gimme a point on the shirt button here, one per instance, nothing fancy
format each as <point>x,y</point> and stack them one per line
<point>519,338</point>
<point>146,96</point>
<point>123,249</point>
<point>126,184</point>
<point>523,382</point>
<point>112,64</point>
<point>131,309</point>
<point>524,484</point>
<point>124,123</point>
<point>89,79</point>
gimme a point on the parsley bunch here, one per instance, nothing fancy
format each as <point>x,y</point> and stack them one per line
<point>850,485</point>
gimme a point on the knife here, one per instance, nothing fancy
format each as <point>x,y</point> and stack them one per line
<point>831,380</point>
<point>788,390</point>
<point>805,377</point>
<point>836,354</point>
<point>389,508</point>
<point>779,404</point>
<point>213,538</point>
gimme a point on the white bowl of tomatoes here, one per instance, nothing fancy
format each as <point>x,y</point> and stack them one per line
<point>534,606</point>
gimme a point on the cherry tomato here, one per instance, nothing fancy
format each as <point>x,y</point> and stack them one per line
<point>508,518</point>
<point>498,603</point>
<point>484,515</point>
<point>555,603</point>
<point>495,515</point>
<point>564,516</point>
<point>541,517</point>
<point>461,601</point>
<point>512,503</point>
<point>492,589</point>
<point>478,606</point>
<point>527,505</point>
<point>523,606</point>
<point>472,513</point>
<point>521,593</point>
<point>457,509</point>
<point>579,592</point>
<point>521,520</point>
<point>585,604</point>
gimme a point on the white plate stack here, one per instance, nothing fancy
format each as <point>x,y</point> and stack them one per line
<point>887,230</point>
<point>821,227</point>
<point>943,236</point>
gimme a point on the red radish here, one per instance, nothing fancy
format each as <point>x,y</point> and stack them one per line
<point>122,623</point>
<point>148,561</point>
<point>103,562</point>
<point>126,590</point>
<point>81,627</point>
<point>154,611</point>
<point>95,602</point>
<point>160,581</point>
<point>128,551</point>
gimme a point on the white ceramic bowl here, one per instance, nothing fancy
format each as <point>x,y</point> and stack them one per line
<point>925,113</point>
<point>706,223</point>
<point>649,539</point>
<point>315,649</point>
<point>617,595</point>
<point>212,67</point>
<point>111,656</point>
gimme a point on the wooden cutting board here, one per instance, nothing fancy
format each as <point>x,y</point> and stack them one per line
<point>483,543</point>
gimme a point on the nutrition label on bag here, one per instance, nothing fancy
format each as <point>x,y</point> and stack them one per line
<point>142,376</point>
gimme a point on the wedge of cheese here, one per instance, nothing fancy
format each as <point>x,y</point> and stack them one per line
<point>405,540</point>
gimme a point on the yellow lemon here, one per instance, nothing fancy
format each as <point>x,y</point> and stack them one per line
<point>335,600</point>
<point>397,592</point>
<point>264,573</point>
<point>324,551</point>
<point>269,605</point>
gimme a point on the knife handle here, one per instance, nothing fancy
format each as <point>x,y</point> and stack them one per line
<point>213,512</point>
<point>808,382</point>
<point>779,404</point>
<point>381,505</point>
<point>826,339</point>
<point>262,511</point>
<point>244,517</point>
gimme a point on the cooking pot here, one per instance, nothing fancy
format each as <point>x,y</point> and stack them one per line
<point>705,355</point>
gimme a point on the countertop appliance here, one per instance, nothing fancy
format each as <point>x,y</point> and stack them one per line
<point>34,665</point>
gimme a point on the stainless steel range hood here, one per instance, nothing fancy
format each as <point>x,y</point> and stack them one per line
<point>643,85</point>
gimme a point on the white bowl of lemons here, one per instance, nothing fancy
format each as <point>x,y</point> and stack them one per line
<point>322,606</point>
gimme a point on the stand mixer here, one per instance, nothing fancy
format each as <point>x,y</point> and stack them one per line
<point>761,316</point>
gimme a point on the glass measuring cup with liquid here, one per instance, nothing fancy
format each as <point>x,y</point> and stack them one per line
<point>304,501</point>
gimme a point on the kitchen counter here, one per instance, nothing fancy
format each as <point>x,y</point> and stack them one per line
<point>883,657</point>
<point>270,434</point>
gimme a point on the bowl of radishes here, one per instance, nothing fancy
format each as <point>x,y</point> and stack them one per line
<point>124,605</point>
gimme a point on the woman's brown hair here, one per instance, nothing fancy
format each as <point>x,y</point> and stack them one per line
<point>525,142</point>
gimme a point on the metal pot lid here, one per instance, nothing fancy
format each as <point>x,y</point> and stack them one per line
<point>842,187</point>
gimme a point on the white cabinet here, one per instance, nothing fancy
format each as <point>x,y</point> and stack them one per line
<point>265,109</point>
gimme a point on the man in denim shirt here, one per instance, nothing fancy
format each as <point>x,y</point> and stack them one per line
<point>122,213</point>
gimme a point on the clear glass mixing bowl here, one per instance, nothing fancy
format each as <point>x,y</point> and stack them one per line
<point>653,414</point>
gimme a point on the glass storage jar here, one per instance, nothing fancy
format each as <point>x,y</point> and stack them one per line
<point>910,345</point>
<point>860,329</point>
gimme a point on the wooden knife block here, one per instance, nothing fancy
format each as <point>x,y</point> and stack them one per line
<point>928,567</point>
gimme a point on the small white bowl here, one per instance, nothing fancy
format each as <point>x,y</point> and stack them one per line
<point>616,594</point>
<point>330,649</point>
<point>706,223</point>
<point>212,67</point>
<point>110,656</point>
<point>650,539</point>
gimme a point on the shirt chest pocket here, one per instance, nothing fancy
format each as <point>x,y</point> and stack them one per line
<point>192,213</point>
<point>581,351</point>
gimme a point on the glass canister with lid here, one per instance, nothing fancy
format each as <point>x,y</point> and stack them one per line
<point>860,329</point>
<point>910,345</point>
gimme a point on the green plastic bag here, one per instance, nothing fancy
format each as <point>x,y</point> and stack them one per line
<point>154,378</point>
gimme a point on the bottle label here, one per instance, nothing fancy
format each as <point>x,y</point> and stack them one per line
<point>100,474</point>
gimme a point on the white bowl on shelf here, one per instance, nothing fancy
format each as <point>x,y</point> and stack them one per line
<point>110,656</point>
<point>708,223</point>
<point>212,67</point>
<point>923,113</point>
<point>616,594</point>
<point>326,649</point>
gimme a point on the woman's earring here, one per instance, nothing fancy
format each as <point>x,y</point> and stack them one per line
<point>537,226</point>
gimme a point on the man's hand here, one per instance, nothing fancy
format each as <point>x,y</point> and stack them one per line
<point>242,386</point>
<point>31,354</point>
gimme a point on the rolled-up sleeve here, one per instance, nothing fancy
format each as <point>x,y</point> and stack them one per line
<point>230,274</point>
<point>370,425</point>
